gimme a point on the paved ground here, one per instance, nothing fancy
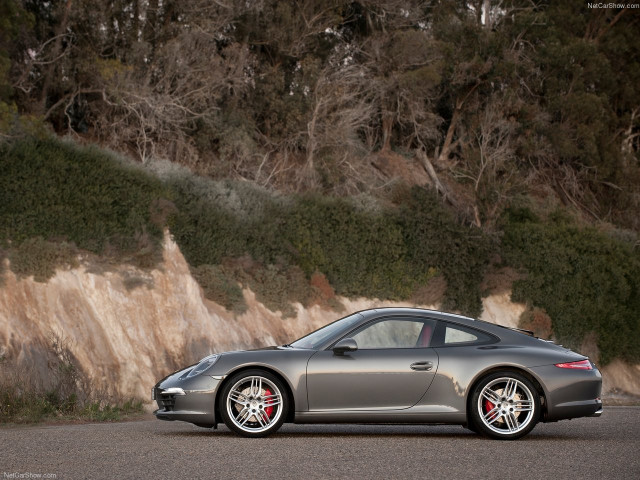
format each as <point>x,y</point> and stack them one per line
<point>590,448</point>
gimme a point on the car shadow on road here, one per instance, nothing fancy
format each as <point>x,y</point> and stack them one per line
<point>352,431</point>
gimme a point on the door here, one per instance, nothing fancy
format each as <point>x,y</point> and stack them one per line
<point>391,370</point>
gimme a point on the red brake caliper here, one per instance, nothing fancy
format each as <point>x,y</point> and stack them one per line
<point>488,406</point>
<point>268,410</point>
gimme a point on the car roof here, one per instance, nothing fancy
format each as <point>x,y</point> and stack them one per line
<point>415,311</point>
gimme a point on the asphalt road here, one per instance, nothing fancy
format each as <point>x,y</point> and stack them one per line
<point>589,448</point>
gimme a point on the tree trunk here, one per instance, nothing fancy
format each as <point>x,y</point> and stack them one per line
<point>135,26</point>
<point>57,48</point>
<point>446,146</point>
<point>486,13</point>
<point>149,30</point>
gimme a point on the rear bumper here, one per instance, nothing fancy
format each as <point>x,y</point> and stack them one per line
<point>570,393</point>
<point>576,409</point>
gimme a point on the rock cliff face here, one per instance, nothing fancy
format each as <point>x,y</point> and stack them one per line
<point>124,339</point>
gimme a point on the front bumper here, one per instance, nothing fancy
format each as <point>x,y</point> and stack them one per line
<point>187,399</point>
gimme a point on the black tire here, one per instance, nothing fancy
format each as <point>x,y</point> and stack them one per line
<point>253,403</point>
<point>471,426</point>
<point>505,405</point>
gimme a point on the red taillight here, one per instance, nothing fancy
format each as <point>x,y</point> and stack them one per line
<point>579,365</point>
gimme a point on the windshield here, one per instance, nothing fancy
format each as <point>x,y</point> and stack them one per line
<point>320,336</point>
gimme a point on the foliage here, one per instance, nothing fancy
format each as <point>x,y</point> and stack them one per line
<point>40,258</point>
<point>361,253</point>
<point>13,19</point>
<point>502,96</point>
<point>537,320</point>
<point>377,250</point>
<point>276,285</point>
<point>434,238</point>
<point>53,192</point>
<point>585,280</point>
<point>221,287</point>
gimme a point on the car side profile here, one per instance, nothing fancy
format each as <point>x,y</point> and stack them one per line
<point>389,365</point>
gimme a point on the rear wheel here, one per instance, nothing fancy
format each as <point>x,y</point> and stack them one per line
<point>504,405</point>
<point>253,403</point>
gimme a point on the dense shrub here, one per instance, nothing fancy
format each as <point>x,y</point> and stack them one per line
<point>40,258</point>
<point>585,280</point>
<point>58,191</point>
<point>221,287</point>
<point>536,320</point>
<point>362,253</point>
<point>363,247</point>
<point>434,238</point>
<point>275,285</point>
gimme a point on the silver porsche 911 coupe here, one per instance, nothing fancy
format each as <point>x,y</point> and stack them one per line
<point>389,365</point>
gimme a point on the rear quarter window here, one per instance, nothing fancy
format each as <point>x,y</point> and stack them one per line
<point>450,334</point>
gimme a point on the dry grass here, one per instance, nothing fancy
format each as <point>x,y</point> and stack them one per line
<point>59,392</point>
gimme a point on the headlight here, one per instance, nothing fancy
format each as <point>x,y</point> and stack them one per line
<point>205,363</point>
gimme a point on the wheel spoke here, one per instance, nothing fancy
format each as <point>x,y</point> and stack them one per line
<point>523,408</point>
<point>237,397</point>
<point>267,419</point>
<point>490,395</point>
<point>510,389</point>
<point>252,388</point>
<point>272,400</point>
<point>260,419</point>
<point>256,386</point>
<point>492,416</point>
<point>243,416</point>
<point>511,421</point>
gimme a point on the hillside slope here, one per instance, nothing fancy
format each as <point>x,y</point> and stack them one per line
<point>124,340</point>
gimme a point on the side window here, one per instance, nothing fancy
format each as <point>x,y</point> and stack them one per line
<point>455,335</point>
<point>396,333</point>
<point>451,334</point>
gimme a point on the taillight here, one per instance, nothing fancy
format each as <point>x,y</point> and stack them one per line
<point>579,365</point>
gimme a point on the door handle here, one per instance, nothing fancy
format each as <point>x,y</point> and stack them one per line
<point>422,366</point>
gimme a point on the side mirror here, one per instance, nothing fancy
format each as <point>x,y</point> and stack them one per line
<point>345,345</point>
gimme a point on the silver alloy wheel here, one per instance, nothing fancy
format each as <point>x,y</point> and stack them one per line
<point>506,406</point>
<point>254,404</point>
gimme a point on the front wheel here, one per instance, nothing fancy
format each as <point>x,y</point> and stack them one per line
<point>505,406</point>
<point>253,403</point>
